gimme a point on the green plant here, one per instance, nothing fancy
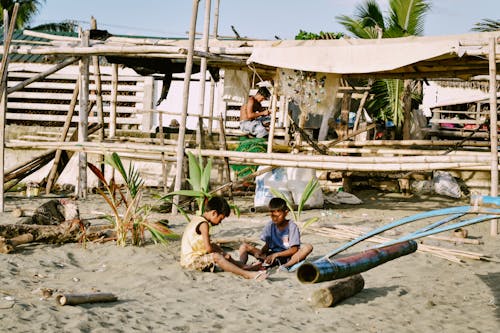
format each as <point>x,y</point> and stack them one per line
<point>311,187</point>
<point>405,18</point>
<point>129,215</point>
<point>199,179</point>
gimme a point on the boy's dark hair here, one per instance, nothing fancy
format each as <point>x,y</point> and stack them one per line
<point>264,92</point>
<point>278,204</point>
<point>219,204</point>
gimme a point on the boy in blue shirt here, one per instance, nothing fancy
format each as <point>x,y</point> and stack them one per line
<point>282,240</point>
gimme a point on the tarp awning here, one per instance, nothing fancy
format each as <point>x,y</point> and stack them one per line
<point>362,56</point>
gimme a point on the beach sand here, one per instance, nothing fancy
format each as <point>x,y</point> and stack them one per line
<point>415,293</point>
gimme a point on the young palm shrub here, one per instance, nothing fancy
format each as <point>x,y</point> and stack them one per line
<point>309,190</point>
<point>199,179</point>
<point>129,215</point>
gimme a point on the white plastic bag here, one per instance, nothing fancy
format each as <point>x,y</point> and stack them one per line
<point>298,178</point>
<point>445,184</point>
<point>276,179</point>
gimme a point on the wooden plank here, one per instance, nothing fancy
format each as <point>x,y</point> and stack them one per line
<point>61,118</point>
<point>67,96</point>
<point>60,107</point>
<point>69,86</point>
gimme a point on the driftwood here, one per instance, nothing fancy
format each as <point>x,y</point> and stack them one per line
<point>67,232</point>
<point>337,291</point>
<point>9,245</point>
<point>75,299</point>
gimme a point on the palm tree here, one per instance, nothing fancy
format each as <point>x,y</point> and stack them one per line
<point>405,18</point>
<point>27,9</point>
<point>487,25</point>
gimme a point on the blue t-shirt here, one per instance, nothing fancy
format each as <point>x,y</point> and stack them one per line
<point>280,240</point>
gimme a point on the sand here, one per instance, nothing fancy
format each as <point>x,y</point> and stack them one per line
<point>415,293</point>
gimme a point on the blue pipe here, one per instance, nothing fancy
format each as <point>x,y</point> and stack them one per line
<point>457,225</point>
<point>419,216</point>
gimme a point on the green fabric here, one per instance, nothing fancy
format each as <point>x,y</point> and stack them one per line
<point>253,145</point>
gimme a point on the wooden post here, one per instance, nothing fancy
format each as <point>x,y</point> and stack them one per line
<point>203,69</point>
<point>211,106</point>
<point>274,103</point>
<point>67,125</point>
<point>7,37</point>
<point>337,291</point>
<point>493,128</point>
<point>215,31</point>
<point>360,108</point>
<point>114,97</point>
<point>344,115</point>
<point>3,107</point>
<point>83,118</point>
<point>75,299</point>
<point>98,97</point>
<point>185,100</point>
<point>147,104</point>
<point>406,110</point>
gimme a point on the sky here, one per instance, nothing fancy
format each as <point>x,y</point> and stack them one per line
<point>259,19</point>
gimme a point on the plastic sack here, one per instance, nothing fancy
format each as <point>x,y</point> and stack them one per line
<point>422,186</point>
<point>445,184</point>
<point>289,181</point>
<point>276,179</point>
<point>298,178</point>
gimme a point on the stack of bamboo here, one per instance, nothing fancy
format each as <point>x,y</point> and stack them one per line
<point>345,232</point>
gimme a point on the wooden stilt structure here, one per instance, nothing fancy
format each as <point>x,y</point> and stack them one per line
<point>83,119</point>
<point>8,31</point>
<point>185,100</point>
<point>493,128</point>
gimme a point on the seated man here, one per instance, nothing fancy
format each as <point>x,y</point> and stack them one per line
<point>253,117</point>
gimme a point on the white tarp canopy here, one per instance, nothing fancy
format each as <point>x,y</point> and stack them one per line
<point>357,56</point>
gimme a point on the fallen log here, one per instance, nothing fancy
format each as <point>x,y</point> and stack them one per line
<point>75,299</point>
<point>337,291</point>
<point>66,232</point>
<point>9,245</point>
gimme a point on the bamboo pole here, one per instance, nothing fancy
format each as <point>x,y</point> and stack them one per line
<point>215,31</point>
<point>98,96</point>
<point>3,107</point>
<point>250,156</point>
<point>114,98</point>
<point>185,100</point>
<point>203,67</point>
<point>43,75</point>
<point>272,125</point>
<point>67,124</point>
<point>493,128</point>
<point>7,37</point>
<point>211,106</point>
<point>362,105</point>
<point>83,119</point>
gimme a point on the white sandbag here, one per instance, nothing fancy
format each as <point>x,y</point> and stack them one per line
<point>422,186</point>
<point>276,179</point>
<point>445,184</point>
<point>298,178</point>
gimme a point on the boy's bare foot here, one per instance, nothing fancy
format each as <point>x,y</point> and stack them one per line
<point>260,276</point>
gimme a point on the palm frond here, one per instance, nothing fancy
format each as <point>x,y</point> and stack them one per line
<point>487,25</point>
<point>408,15</point>
<point>311,187</point>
